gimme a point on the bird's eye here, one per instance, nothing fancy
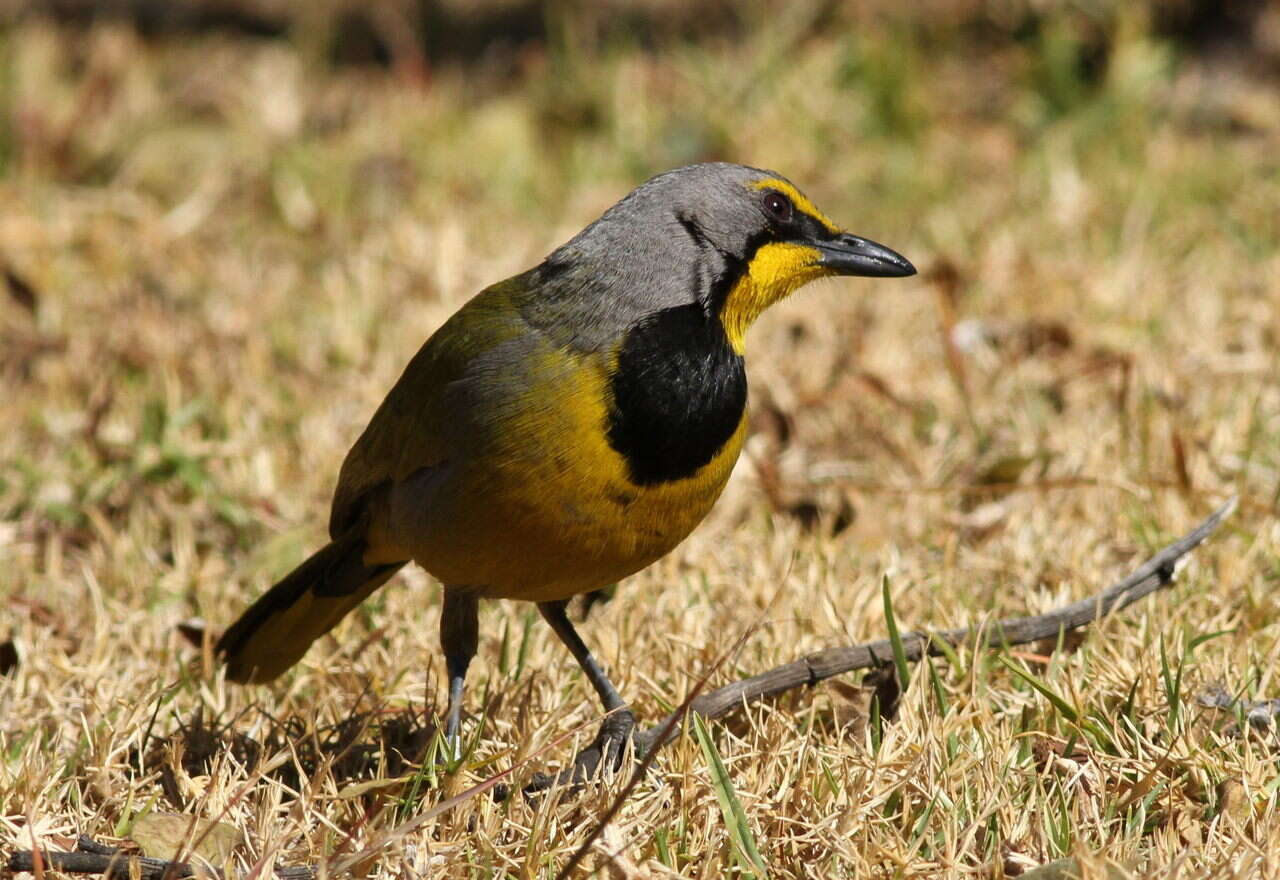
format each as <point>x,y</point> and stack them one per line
<point>777,206</point>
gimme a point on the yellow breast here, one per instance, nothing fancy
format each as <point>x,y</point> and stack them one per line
<point>553,510</point>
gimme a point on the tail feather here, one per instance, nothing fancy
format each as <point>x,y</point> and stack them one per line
<point>276,630</point>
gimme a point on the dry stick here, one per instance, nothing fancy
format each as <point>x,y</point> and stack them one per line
<point>1156,572</point>
<point>98,858</point>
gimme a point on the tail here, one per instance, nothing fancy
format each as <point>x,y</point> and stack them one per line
<point>278,628</point>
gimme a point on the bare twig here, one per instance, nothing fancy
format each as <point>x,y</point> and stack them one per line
<point>1156,572</point>
<point>92,857</point>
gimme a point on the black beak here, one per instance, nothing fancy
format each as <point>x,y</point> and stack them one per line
<point>850,255</point>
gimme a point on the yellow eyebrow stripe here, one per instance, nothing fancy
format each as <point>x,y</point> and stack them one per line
<point>799,199</point>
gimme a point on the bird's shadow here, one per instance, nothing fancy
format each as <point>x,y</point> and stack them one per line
<point>363,745</point>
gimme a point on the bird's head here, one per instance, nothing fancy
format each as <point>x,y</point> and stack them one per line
<point>733,238</point>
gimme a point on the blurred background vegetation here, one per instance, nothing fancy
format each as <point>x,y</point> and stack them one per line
<point>225,227</point>
<point>888,70</point>
<point>1038,134</point>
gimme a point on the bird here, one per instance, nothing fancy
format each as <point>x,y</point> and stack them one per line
<point>566,427</point>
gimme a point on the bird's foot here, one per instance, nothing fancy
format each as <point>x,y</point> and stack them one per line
<point>607,750</point>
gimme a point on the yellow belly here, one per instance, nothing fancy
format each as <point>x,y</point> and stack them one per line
<point>549,512</point>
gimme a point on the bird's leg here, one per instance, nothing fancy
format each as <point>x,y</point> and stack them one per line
<point>610,743</point>
<point>459,637</point>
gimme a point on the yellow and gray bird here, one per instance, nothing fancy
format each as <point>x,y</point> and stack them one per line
<point>566,427</point>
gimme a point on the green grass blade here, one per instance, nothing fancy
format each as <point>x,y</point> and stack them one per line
<point>735,818</point>
<point>1068,711</point>
<point>875,724</point>
<point>523,653</point>
<point>664,850</point>
<point>895,638</point>
<point>504,648</point>
<point>939,692</point>
<point>1172,687</point>
<point>948,651</point>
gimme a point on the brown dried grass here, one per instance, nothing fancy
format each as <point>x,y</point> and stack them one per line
<point>221,255</point>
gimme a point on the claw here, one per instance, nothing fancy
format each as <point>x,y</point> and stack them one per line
<point>609,748</point>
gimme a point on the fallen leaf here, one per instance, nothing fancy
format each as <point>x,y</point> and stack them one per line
<point>851,703</point>
<point>1233,801</point>
<point>166,835</point>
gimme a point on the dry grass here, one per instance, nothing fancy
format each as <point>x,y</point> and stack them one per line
<point>221,253</point>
